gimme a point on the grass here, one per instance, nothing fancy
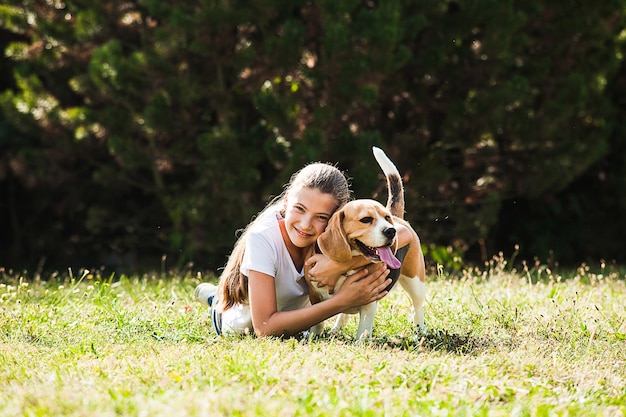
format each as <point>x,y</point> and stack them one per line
<point>501,342</point>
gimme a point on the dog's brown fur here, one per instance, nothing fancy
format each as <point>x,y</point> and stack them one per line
<point>371,224</point>
<point>338,242</point>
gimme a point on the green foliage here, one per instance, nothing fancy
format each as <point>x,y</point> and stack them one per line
<point>446,258</point>
<point>156,128</point>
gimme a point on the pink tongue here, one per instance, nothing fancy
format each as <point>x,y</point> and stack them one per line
<point>386,255</point>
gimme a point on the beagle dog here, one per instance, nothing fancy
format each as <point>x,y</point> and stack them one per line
<point>366,227</point>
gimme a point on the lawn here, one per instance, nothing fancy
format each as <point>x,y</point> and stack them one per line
<point>501,342</point>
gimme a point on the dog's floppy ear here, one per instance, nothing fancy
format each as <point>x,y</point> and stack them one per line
<point>333,242</point>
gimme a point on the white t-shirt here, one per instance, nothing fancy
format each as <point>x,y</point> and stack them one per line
<point>266,252</point>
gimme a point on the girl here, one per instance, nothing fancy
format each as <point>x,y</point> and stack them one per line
<point>262,288</point>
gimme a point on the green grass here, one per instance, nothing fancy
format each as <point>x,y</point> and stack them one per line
<point>501,342</point>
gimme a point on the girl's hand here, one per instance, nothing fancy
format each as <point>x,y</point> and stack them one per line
<point>366,286</point>
<point>325,272</point>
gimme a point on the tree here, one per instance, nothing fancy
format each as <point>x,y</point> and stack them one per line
<point>153,127</point>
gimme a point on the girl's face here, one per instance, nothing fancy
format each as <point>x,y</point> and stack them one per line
<point>307,212</point>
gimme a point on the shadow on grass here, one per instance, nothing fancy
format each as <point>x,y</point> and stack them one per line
<point>433,340</point>
<point>443,340</point>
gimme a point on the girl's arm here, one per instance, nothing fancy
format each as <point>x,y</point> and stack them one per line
<point>361,288</point>
<point>327,272</point>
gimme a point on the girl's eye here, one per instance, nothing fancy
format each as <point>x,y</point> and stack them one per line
<point>322,218</point>
<point>367,220</point>
<point>299,208</point>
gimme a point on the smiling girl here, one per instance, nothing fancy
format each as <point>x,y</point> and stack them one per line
<point>262,289</point>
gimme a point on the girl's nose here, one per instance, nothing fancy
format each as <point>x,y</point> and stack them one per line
<point>306,222</point>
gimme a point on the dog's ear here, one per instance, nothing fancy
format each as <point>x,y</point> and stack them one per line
<point>333,242</point>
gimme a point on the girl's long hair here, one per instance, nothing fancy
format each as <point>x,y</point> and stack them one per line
<point>324,177</point>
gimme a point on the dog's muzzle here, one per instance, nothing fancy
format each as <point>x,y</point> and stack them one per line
<point>389,233</point>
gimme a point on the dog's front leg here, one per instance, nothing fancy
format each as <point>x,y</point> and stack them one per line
<point>317,329</point>
<point>340,322</point>
<point>366,321</point>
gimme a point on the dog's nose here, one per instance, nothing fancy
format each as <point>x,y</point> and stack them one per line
<point>389,232</point>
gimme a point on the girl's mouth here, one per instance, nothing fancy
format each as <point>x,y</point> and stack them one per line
<point>301,233</point>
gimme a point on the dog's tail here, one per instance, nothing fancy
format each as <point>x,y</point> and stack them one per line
<point>395,189</point>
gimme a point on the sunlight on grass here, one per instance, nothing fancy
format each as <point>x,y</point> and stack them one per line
<point>500,342</point>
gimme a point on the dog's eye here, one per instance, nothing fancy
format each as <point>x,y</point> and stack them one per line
<point>388,218</point>
<point>367,220</point>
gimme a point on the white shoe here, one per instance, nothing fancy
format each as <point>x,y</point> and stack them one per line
<point>205,292</point>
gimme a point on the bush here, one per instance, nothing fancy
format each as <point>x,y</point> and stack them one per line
<point>150,128</point>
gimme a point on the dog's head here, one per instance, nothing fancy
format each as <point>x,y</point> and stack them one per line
<point>365,226</point>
